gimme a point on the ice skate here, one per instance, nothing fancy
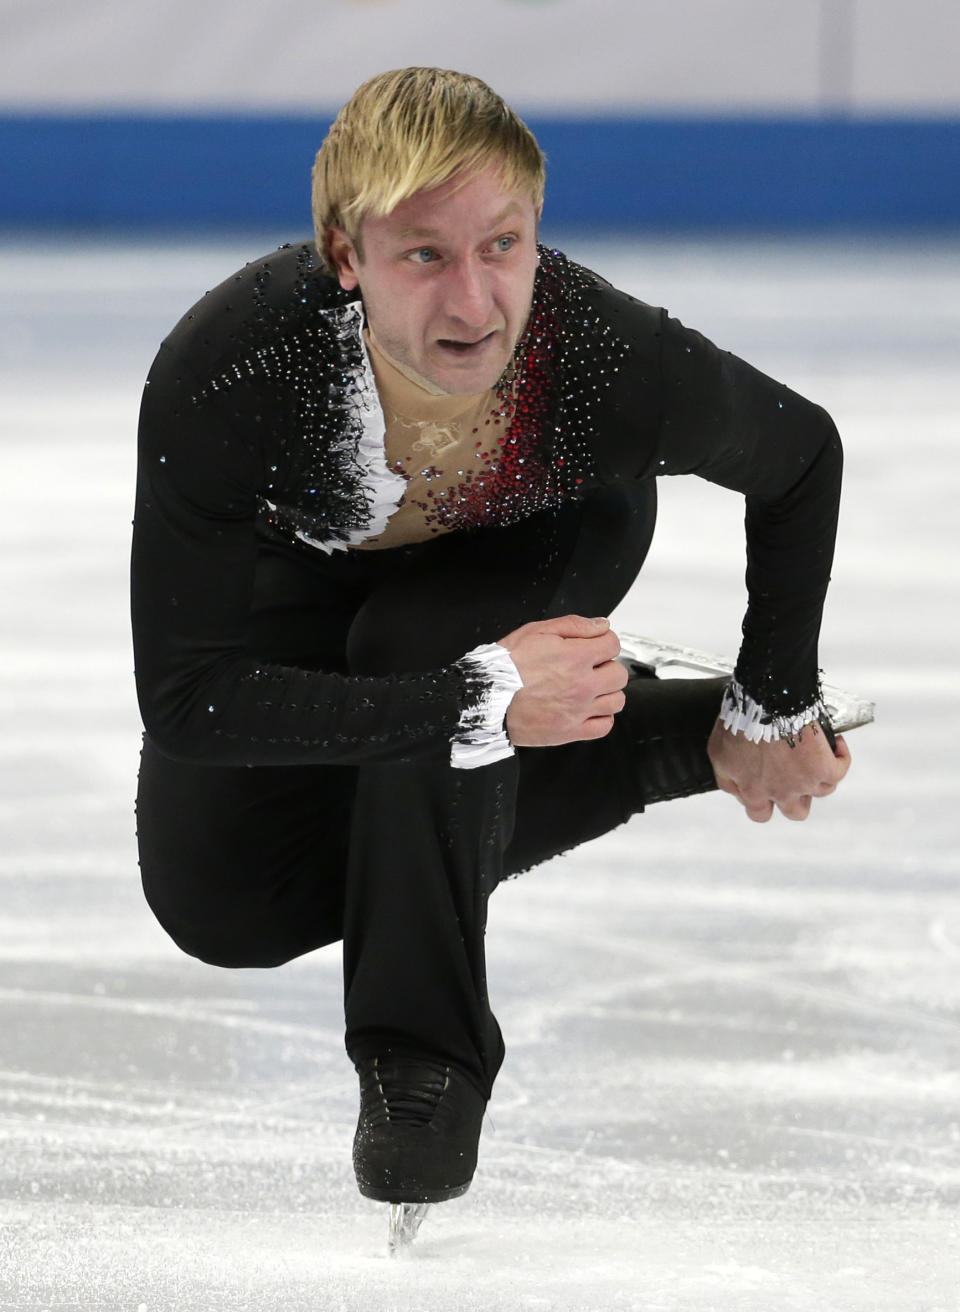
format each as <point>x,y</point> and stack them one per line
<point>405,1221</point>
<point>665,660</point>
<point>416,1139</point>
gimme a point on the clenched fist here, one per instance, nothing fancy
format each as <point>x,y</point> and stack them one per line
<point>572,682</point>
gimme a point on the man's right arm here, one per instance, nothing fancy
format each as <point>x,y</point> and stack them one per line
<point>204,697</point>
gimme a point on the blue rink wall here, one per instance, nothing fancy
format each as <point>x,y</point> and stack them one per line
<point>109,172</point>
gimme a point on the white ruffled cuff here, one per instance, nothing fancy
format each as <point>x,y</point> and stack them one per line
<point>741,714</point>
<point>481,736</point>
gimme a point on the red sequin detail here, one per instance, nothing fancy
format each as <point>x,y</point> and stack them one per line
<point>546,453</point>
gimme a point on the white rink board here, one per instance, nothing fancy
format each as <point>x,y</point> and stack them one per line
<point>565,56</point>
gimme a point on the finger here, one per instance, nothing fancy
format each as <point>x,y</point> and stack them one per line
<point>598,726</point>
<point>842,757</point>
<point>610,676</point>
<point>610,650</point>
<point>601,646</point>
<point>610,703</point>
<point>617,672</point>
<point>797,809</point>
<point>726,784</point>
<point>572,626</point>
<point>758,805</point>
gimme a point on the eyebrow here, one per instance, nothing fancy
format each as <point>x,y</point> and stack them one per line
<point>423,233</point>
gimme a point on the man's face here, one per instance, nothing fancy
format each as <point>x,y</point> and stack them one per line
<point>447,279</point>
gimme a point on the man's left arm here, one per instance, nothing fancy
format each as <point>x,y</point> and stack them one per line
<point>718,417</point>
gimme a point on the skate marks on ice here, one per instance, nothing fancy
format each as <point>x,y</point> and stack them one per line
<point>731,1079</point>
<point>769,1067</point>
<point>530,1258</point>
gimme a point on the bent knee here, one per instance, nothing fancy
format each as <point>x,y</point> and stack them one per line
<point>249,938</point>
<point>382,642</point>
<point>423,622</point>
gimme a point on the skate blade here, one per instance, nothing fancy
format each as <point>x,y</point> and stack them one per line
<point>405,1221</point>
<point>845,710</point>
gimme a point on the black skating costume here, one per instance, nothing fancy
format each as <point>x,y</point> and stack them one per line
<point>310,708</point>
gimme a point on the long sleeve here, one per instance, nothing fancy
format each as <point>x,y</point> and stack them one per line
<point>203,696</point>
<point>679,405</point>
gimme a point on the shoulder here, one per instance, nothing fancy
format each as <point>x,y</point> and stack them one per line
<point>272,297</point>
<point>591,303</point>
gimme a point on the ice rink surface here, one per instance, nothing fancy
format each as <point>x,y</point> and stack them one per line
<point>733,1070</point>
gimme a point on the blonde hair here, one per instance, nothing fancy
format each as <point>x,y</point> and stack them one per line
<point>411,129</point>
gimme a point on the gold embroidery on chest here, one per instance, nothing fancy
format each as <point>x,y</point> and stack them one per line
<point>434,438</point>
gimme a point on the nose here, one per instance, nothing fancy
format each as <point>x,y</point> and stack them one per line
<point>469,293</point>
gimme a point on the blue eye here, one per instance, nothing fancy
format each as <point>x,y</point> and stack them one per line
<point>504,243</point>
<point>424,255</point>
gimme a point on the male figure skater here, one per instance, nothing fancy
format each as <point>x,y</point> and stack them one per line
<point>386,482</point>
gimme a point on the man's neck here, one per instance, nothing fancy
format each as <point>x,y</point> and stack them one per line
<point>403,392</point>
<point>411,374</point>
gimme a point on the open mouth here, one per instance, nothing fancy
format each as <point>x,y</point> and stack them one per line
<point>456,347</point>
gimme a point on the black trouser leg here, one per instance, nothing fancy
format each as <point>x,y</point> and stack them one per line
<point>429,844</point>
<point>244,867</point>
<point>247,867</point>
<point>426,851</point>
<point>427,841</point>
<point>656,751</point>
<point>251,867</point>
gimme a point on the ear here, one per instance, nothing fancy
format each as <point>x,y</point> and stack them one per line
<point>344,258</point>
